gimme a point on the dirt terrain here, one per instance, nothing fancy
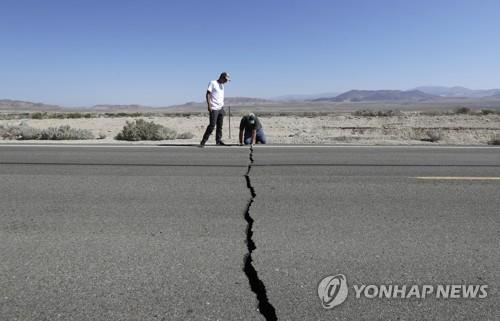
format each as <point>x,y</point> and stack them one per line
<point>407,128</point>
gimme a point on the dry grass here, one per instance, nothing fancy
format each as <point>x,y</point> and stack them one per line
<point>24,132</point>
<point>144,130</point>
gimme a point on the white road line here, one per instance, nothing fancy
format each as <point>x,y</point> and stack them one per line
<point>377,146</point>
<point>456,178</point>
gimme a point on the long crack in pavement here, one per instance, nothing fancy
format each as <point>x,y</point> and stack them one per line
<point>257,286</point>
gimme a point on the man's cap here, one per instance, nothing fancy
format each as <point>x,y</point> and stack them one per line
<point>225,75</point>
<point>251,118</point>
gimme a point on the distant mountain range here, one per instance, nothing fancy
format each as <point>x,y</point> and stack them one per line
<point>25,105</point>
<point>458,91</point>
<point>118,107</point>
<point>230,101</point>
<point>304,97</point>
<point>419,94</point>
<point>234,101</point>
<point>379,95</point>
<point>424,93</point>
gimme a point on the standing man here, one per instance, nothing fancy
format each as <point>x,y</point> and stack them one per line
<point>251,129</point>
<point>215,104</point>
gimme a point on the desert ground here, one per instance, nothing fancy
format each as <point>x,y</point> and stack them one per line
<point>407,128</point>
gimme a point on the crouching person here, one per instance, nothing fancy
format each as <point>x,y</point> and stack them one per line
<point>251,131</point>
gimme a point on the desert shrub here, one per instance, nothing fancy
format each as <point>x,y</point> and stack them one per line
<point>495,140</point>
<point>364,113</point>
<point>185,135</point>
<point>58,116</point>
<point>463,110</point>
<point>434,113</point>
<point>311,114</point>
<point>490,111</point>
<point>101,135</point>
<point>65,133</point>
<point>3,132</point>
<point>74,115</point>
<point>38,115</point>
<point>167,133</point>
<point>24,132</point>
<point>182,114</point>
<point>374,113</point>
<point>124,114</point>
<point>432,136</point>
<point>143,130</point>
<point>16,132</point>
<point>388,113</point>
<point>9,116</point>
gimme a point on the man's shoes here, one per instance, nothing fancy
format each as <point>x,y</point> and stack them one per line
<point>221,143</point>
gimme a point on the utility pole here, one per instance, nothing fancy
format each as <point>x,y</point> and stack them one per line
<point>229,121</point>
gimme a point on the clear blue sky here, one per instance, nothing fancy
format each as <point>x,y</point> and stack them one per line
<point>160,53</point>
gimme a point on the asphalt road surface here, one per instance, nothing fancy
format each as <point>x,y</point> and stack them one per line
<point>161,232</point>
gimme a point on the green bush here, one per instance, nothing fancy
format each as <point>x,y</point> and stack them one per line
<point>38,115</point>
<point>463,110</point>
<point>124,114</point>
<point>143,130</point>
<point>9,116</point>
<point>490,111</point>
<point>74,115</point>
<point>374,113</point>
<point>58,116</point>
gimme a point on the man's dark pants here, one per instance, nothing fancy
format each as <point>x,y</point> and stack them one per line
<point>216,118</point>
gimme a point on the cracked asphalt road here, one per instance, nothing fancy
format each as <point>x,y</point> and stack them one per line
<point>258,287</point>
<point>155,233</point>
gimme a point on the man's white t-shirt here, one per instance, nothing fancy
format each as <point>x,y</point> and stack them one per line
<point>216,94</point>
